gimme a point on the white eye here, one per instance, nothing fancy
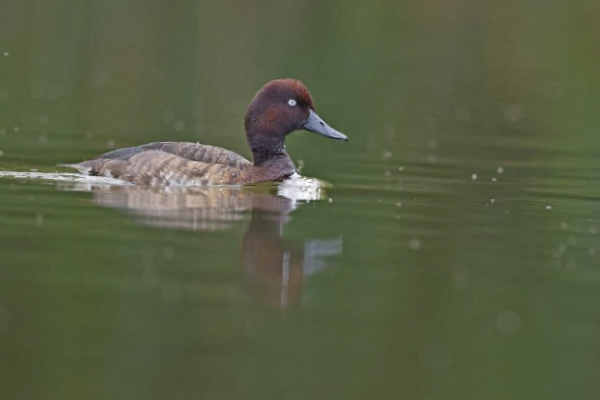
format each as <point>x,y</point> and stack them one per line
<point>291,102</point>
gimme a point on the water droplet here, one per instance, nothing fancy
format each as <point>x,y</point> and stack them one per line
<point>436,357</point>
<point>558,252</point>
<point>564,225</point>
<point>398,204</point>
<point>562,247</point>
<point>400,168</point>
<point>414,244</point>
<point>169,252</point>
<point>474,177</point>
<point>168,116</point>
<point>111,143</point>
<point>500,170</point>
<point>99,79</point>
<point>330,200</point>
<point>508,323</point>
<point>513,113</point>
<point>5,318</point>
<point>431,122</point>
<point>553,90</point>
<point>432,144</point>
<point>548,207</point>
<point>6,54</point>
<point>389,131</point>
<point>16,129</point>
<point>459,277</point>
<point>462,113</point>
<point>386,155</point>
<point>54,91</point>
<point>179,125</point>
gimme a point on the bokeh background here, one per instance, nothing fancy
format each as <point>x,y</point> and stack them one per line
<point>392,74</point>
<point>462,221</point>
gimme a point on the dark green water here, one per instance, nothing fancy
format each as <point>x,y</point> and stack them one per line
<point>456,254</point>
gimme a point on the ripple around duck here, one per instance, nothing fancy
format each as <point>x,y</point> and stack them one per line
<point>63,177</point>
<point>297,188</point>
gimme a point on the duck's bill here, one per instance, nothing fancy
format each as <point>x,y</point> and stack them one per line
<point>317,125</point>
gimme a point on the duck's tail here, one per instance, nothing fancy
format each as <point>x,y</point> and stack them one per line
<point>81,167</point>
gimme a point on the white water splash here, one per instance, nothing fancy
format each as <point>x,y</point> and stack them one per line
<point>300,188</point>
<point>63,177</point>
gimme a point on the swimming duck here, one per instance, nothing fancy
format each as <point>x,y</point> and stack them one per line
<point>279,108</point>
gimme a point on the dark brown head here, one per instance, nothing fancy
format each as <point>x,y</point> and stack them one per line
<point>279,108</point>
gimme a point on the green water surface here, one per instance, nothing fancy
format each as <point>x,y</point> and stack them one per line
<point>454,255</point>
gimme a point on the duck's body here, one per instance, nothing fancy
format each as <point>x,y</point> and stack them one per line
<point>183,163</point>
<point>279,108</point>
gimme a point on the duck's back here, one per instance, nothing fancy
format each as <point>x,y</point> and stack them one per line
<point>179,163</point>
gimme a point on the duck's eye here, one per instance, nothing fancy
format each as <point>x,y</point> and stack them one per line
<point>291,102</point>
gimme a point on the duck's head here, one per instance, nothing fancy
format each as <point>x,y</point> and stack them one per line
<point>279,108</point>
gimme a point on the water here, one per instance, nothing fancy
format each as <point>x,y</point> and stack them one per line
<point>449,250</point>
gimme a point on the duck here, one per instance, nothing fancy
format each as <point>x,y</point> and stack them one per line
<point>279,108</point>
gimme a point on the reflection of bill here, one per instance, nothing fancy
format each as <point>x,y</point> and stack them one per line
<point>276,267</point>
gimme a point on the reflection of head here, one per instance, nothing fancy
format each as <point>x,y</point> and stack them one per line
<point>276,267</point>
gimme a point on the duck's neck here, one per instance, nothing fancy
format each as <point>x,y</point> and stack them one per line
<point>271,161</point>
<point>262,155</point>
<point>265,147</point>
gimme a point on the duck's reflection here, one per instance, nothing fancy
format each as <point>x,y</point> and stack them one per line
<point>276,268</point>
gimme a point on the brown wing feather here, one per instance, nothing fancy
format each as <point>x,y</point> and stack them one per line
<point>190,151</point>
<point>164,163</point>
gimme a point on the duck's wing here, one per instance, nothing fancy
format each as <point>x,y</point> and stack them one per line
<point>165,163</point>
<point>190,151</point>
